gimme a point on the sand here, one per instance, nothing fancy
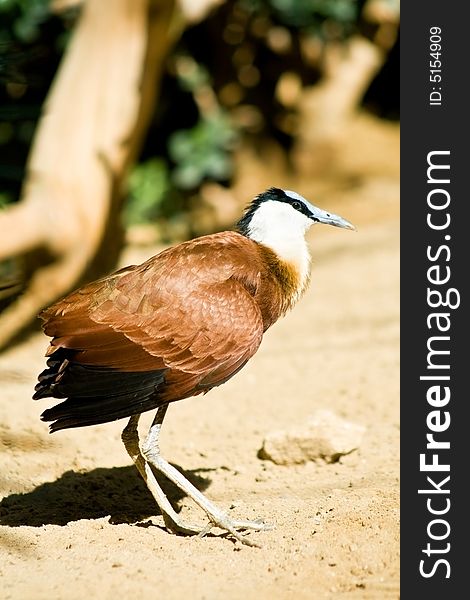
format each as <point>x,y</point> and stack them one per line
<point>76,521</point>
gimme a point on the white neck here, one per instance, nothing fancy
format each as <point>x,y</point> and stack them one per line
<point>282,229</point>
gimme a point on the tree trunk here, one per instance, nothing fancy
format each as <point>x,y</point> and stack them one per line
<point>67,223</point>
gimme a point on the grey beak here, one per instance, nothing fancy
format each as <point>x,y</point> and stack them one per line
<point>321,216</point>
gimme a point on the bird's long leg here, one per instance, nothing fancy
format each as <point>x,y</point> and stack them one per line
<point>218,518</point>
<point>130,438</point>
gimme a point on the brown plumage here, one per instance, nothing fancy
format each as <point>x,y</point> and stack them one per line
<point>175,326</point>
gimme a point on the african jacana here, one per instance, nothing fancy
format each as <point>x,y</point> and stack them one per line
<point>181,323</point>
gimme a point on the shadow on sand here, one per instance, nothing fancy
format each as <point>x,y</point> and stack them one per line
<point>119,493</point>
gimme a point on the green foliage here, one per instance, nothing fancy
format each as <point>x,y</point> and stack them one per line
<point>148,183</point>
<point>198,153</point>
<point>203,151</point>
<point>27,16</point>
<point>305,13</point>
<point>5,199</point>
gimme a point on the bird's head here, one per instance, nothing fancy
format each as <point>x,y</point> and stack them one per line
<point>283,214</point>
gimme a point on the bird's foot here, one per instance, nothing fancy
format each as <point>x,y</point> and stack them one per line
<point>176,525</point>
<point>234,527</point>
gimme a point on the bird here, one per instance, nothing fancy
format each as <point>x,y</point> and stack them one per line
<point>179,324</point>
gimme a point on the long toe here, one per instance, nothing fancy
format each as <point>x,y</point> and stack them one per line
<point>235,527</point>
<point>178,526</point>
<point>257,525</point>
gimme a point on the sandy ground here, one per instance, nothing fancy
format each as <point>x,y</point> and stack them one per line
<point>76,521</point>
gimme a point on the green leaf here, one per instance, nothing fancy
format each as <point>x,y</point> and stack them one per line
<point>148,185</point>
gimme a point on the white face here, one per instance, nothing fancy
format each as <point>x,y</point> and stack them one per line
<point>276,221</point>
<point>282,228</point>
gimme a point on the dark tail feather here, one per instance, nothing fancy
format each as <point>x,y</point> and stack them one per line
<point>95,394</point>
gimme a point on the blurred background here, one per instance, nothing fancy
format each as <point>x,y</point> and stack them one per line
<point>147,122</point>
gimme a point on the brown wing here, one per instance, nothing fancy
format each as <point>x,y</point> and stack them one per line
<point>184,315</point>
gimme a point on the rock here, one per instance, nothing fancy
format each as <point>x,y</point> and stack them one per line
<point>325,437</point>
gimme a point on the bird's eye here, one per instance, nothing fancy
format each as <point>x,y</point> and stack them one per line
<point>297,205</point>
